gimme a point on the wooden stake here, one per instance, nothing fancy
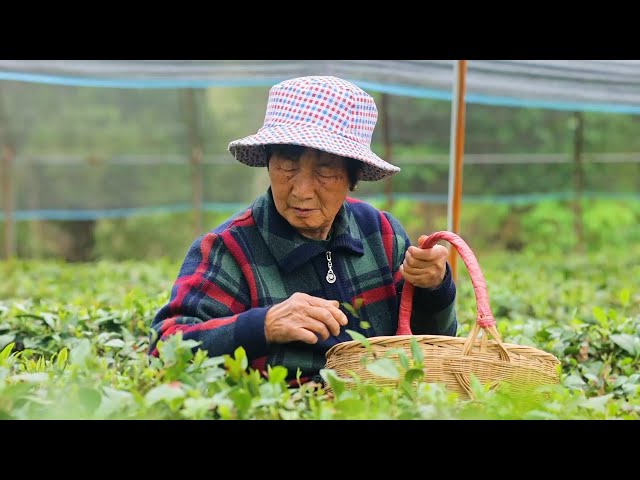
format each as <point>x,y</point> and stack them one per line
<point>456,154</point>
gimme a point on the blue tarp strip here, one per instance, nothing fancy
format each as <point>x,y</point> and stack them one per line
<point>230,208</point>
<point>392,89</point>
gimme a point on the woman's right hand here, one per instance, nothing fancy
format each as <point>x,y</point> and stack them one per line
<point>302,317</point>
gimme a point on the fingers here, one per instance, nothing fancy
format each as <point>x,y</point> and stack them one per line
<point>326,318</point>
<point>338,314</point>
<point>312,329</point>
<point>429,278</point>
<point>305,318</point>
<point>424,267</point>
<point>414,265</point>
<point>427,254</point>
<point>305,323</point>
<point>307,336</point>
<point>332,306</point>
<point>317,322</point>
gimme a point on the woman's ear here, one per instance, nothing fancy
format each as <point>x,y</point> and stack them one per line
<point>267,153</point>
<point>354,170</point>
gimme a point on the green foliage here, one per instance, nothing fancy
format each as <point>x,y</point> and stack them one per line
<point>607,222</point>
<point>74,338</point>
<point>551,225</point>
<point>73,343</point>
<point>150,237</point>
<point>99,123</point>
<point>546,226</point>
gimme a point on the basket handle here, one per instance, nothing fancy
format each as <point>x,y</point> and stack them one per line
<point>484,317</point>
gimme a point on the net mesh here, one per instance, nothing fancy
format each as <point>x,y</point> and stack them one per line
<point>88,154</point>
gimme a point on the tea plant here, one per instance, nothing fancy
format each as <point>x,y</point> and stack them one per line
<point>74,339</point>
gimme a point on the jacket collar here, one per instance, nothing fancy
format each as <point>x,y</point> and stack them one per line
<point>289,248</point>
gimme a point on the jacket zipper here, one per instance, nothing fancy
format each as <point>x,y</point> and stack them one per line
<point>331,277</point>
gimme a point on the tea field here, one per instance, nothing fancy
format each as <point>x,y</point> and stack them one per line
<point>73,345</point>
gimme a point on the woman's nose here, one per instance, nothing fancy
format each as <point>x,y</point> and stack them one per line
<point>304,185</point>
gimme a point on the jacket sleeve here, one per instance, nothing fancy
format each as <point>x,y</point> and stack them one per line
<point>433,311</point>
<point>210,303</point>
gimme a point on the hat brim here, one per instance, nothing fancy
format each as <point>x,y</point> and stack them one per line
<point>249,150</point>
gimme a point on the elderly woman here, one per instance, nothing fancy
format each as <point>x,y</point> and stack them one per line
<point>275,278</point>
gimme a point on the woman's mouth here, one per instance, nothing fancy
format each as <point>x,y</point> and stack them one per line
<point>302,212</point>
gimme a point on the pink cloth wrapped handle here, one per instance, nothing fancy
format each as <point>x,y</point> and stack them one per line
<point>484,316</point>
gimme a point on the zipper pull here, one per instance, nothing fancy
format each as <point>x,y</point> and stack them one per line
<point>331,277</point>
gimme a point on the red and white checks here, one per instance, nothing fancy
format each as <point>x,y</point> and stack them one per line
<point>326,113</point>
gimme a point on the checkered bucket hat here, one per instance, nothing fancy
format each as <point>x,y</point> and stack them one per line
<point>326,113</point>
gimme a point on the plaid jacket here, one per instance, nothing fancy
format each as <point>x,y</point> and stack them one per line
<point>232,275</point>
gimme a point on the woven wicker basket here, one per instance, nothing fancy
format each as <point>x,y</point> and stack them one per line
<point>452,360</point>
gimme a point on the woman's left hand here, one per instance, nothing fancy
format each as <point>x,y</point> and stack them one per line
<point>425,267</point>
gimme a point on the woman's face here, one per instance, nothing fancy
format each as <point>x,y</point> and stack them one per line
<point>309,190</point>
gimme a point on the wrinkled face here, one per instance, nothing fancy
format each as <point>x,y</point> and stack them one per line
<point>309,190</point>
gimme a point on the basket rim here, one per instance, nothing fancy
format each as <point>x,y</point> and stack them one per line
<point>461,340</point>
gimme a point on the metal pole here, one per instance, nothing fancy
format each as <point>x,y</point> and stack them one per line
<point>33,202</point>
<point>386,136</point>
<point>456,149</point>
<point>578,179</point>
<point>7,153</point>
<point>7,202</point>
<point>195,143</point>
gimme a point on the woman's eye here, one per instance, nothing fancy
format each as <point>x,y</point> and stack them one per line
<point>326,173</point>
<point>288,166</point>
